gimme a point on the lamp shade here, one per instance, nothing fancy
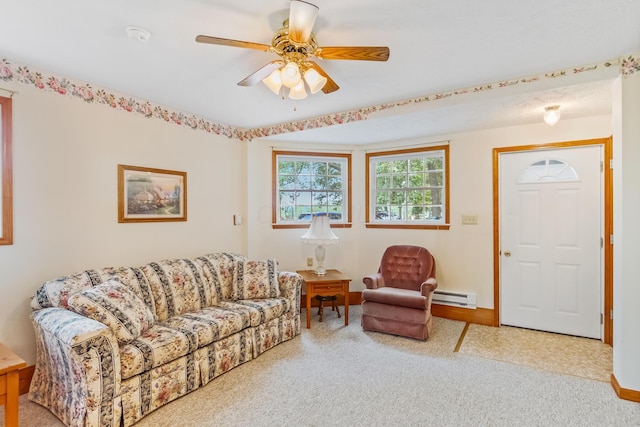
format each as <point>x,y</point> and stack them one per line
<point>273,82</point>
<point>314,80</point>
<point>319,233</point>
<point>290,75</point>
<point>298,92</point>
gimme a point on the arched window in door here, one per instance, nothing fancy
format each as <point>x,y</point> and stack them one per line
<point>548,170</point>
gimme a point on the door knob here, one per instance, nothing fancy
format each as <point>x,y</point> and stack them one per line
<point>507,253</point>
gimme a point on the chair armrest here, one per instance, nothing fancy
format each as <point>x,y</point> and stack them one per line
<point>290,288</point>
<point>373,281</point>
<point>428,286</point>
<point>77,374</point>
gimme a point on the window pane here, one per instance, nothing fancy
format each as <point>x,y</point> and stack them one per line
<point>319,182</point>
<point>416,180</point>
<point>398,181</point>
<point>286,167</point>
<point>399,166</point>
<point>435,179</point>
<point>383,182</point>
<point>334,168</point>
<point>303,182</point>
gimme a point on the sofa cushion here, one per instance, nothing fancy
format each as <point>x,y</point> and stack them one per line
<point>177,287</point>
<point>116,306</point>
<point>257,279</point>
<point>259,310</point>
<point>56,292</point>
<point>209,324</point>
<point>155,347</point>
<point>219,270</point>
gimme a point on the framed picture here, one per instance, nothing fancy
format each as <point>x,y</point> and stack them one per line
<point>151,195</point>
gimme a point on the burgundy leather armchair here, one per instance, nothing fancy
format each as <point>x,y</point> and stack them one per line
<point>398,298</point>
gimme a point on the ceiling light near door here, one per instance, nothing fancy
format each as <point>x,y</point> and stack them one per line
<point>294,76</point>
<point>551,114</point>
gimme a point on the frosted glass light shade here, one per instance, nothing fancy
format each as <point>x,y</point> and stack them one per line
<point>314,80</point>
<point>290,75</point>
<point>273,82</point>
<point>552,115</point>
<point>302,17</point>
<point>298,91</point>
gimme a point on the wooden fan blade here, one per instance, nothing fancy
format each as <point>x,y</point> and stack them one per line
<point>233,43</point>
<point>357,53</point>
<point>262,73</point>
<point>302,16</point>
<point>330,86</point>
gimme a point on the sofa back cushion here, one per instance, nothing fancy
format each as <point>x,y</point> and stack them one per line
<point>56,292</point>
<point>177,286</point>
<point>219,271</point>
<point>257,279</point>
<point>116,306</point>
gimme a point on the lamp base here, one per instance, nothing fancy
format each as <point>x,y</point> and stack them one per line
<point>320,271</point>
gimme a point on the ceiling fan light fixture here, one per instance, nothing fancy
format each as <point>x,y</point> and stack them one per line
<point>298,91</point>
<point>290,75</point>
<point>302,17</point>
<point>315,80</point>
<point>551,114</point>
<point>273,82</point>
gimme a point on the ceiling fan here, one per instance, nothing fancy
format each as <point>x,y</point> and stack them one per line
<point>296,44</point>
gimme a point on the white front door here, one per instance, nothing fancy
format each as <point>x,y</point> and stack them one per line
<point>551,221</point>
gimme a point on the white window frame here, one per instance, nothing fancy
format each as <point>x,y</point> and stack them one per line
<point>295,221</point>
<point>392,220</point>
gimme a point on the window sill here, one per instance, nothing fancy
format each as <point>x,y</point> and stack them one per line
<point>409,226</point>
<point>306,225</point>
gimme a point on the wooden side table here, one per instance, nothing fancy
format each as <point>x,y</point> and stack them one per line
<point>10,365</point>
<point>332,283</point>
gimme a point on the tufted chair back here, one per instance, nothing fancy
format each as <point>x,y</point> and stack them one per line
<point>406,267</point>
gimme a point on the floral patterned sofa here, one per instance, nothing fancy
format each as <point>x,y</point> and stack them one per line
<point>114,344</point>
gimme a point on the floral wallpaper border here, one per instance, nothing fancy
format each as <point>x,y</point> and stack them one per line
<point>629,65</point>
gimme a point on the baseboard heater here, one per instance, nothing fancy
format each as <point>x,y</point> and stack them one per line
<point>455,299</point>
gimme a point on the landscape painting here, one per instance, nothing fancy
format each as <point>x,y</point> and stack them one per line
<point>151,195</point>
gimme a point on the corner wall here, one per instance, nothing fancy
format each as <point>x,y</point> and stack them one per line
<point>464,253</point>
<point>65,157</point>
<point>626,232</point>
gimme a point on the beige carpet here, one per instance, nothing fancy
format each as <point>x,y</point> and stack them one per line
<point>582,357</point>
<point>334,375</point>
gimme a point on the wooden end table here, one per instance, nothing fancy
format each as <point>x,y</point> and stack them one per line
<point>332,283</point>
<point>10,365</point>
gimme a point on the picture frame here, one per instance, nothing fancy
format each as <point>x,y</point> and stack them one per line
<point>151,195</point>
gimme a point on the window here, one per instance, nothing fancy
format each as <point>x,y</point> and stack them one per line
<point>307,184</point>
<point>6,206</point>
<point>408,188</point>
<point>548,170</point>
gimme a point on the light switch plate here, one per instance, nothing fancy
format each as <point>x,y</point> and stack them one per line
<point>309,262</point>
<point>469,219</point>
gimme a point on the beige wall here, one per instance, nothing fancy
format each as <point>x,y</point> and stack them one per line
<point>626,211</point>
<point>463,254</point>
<point>65,161</point>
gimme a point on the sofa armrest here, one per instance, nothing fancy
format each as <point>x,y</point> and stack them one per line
<point>428,286</point>
<point>290,288</point>
<point>77,374</point>
<point>373,281</point>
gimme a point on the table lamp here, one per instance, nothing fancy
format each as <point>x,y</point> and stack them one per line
<point>320,234</point>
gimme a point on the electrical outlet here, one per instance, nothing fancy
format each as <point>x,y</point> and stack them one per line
<point>470,219</point>
<point>309,262</point>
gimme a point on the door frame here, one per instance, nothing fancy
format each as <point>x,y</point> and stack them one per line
<point>606,143</point>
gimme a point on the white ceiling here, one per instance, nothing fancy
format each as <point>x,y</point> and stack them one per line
<point>435,46</point>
